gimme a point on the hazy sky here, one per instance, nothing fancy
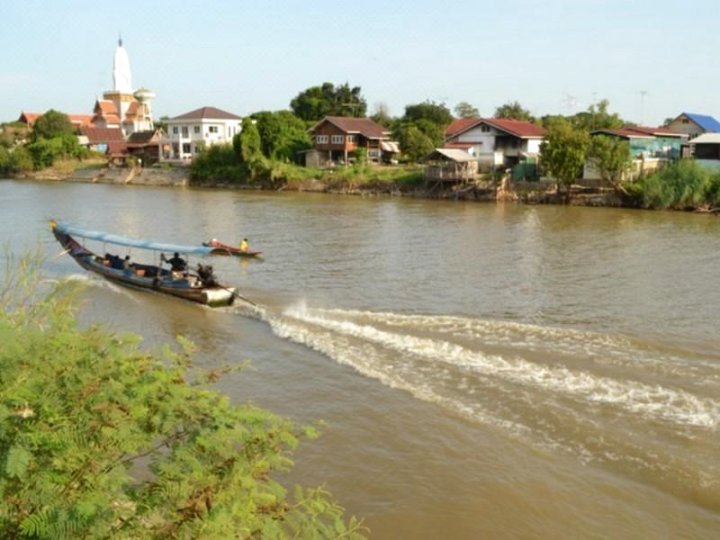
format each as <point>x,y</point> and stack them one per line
<point>652,59</point>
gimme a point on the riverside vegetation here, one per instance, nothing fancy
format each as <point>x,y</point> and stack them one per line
<point>262,155</point>
<point>99,439</point>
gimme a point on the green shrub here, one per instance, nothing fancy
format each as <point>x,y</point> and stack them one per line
<point>99,439</point>
<point>682,185</point>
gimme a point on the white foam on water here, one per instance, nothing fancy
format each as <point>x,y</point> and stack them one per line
<point>655,402</point>
<point>601,348</point>
<point>367,361</point>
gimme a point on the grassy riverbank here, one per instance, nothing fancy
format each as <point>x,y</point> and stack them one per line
<point>682,186</point>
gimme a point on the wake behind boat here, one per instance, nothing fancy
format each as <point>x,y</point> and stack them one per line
<point>200,286</point>
<point>227,249</point>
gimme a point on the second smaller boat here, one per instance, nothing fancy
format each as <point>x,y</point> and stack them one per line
<point>226,249</point>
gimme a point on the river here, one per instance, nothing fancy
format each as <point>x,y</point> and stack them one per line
<point>483,371</point>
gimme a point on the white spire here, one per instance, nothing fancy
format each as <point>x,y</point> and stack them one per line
<point>122,80</point>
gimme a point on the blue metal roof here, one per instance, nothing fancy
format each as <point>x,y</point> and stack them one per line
<point>131,242</point>
<point>708,123</point>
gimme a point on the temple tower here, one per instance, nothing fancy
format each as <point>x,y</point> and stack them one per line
<point>122,107</point>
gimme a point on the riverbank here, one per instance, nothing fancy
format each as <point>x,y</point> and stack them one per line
<point>538,192</point>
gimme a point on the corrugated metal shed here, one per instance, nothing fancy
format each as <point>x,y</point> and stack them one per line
<point>451,154</point>
<point>706,138</point>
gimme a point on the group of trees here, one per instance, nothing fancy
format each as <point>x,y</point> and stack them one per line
<point>53,137</point>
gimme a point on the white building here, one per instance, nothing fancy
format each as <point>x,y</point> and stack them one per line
<point>495,142</point>
<point>188,133</point>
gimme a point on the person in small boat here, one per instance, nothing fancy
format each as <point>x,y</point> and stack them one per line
<point>244,245</point>
<point>115,261</point>
<point>177,263</point>
<point>126,264</point>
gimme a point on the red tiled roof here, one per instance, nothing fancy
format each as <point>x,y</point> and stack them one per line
<point>364,126</point>
<point>29,117</point>
<point>132,109</point>
<point>640,131</point>
<point>80,119</point>
<point>459,125</point>
<point>97,135</point>
<point>103,106</point>
<point>77,120</point>
<point>656,131</point>
<point>519,128</point>
<point>211,113</point>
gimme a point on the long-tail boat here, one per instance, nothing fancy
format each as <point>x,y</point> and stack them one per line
<point>199,286</point>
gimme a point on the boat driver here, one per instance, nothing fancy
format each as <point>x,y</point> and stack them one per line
<point>177,263</point>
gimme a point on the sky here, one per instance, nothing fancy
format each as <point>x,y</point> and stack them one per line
<point>651,59</point>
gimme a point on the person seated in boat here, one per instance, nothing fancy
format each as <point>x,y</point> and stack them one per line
<point>206,275</point>
<point>115,262</point>
<point>244,245</point>
<point>127,265</point>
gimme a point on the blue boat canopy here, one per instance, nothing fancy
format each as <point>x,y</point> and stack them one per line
<point>72,230</point>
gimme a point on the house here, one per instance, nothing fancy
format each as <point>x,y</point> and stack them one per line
<point>694,124</point>
<point>145,145</point>
<point>77,120</point>
<point>109,141</point>
<point>705,149</point>
<point>450,165</point>
<point>337,138</point>
<point>188,133</point>
<point>650,148</point>
<point>495,142</point>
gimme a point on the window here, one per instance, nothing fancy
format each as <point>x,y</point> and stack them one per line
<point>337,139</point>
<point>321,139</point>
<point>185,131</point>
<point>186,148</point>
<point>213,129</point>
<point>352,139</point>
<point>196,129</point>
<point>485,129</point>
<point>175,130</point>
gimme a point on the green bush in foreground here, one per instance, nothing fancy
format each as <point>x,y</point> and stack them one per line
<point>101,440</point>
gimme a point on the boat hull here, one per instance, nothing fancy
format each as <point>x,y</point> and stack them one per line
<point>148,277</point>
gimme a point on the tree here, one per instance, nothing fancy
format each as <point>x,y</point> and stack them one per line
<point>414,143</point>
<point>248,146</point>
<point>316,102</point>
<point>437,113</point>
<point>514,111</point>
<point>465,110</point>
<point>101,439</point>
<point>597,117</point>
<point>563,152</point>
<point>52,124</point>
<point>282,134</point>
<point>611,157</point>
<point>422,129</point>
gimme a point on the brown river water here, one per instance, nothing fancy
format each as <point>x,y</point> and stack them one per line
<point>483,371</point>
